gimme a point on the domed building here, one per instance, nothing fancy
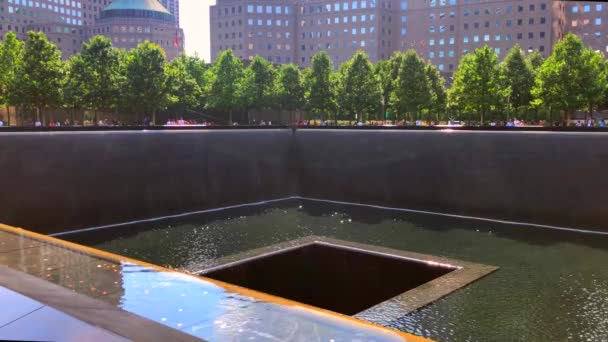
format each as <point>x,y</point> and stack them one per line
<point>130,22</point>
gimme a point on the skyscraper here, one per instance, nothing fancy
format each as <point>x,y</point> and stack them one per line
<point>68,23</point>
<point>286,31</point>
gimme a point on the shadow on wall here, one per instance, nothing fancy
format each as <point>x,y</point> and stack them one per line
<point>56,181</point>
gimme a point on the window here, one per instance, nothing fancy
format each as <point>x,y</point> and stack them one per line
<point>531,21</point>
<point>442,28</point>
<point>364,5</point>
<point>497,37</point>
<point>431,42</point>
<point>363,18</point>
<point>466,12</point>
<point>440,67</point>
<point>431,55</point>
<point>260,22</point>
<point>486,38</point>
<point>598,7</point>
<point>354,31</point>
<point>497,24</point>
<point>403,18</point>
<point>466,26</point>
<point>451,53</point>
<point>452,14</point>
<point>465,39</point>
<point>531,7</point>
<point>259,9</point>
<point>452,2</point>
<point>542,20</point>
<point>542,34</point>
<point>345,6</point>
<point>250,22</point>
<point>519,22</point>
<point>476,25</point>
<point>598,21</point>
<point>441,54</point>
<point>354,5</point>
<point>509,9</point>
<point>278,10</point>
<point>475,39</point>
<point>336,7</point>
<point>432,16</point>
<point>497,50</point>
<point>520,9</point>
<point>587,8</point>
<point>498,10</point>
<point>530,35</point>
<point>432,29</point>
<point>519,35</point>
<point>403,31</point>
<point>509,23</point>
<point>403,5</point>
<point>541,48</point>
<point>441,41</point>
<point>486,24</point>
<point>451,40</point>
<point>508,36</point>
<point>574,9</point>
<point>250,9</point>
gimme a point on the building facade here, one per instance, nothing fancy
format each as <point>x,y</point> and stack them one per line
<point>292,31</point>
<point>69,23</point>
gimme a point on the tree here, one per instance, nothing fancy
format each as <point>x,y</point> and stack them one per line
<point>224,78</point>
<point>535,59</point>
<point>517,79</point>
<point>559,80</point>
<point>197,69</point>
<point>593,79</point>
<point>184,91</point>
<point>320,92</point>
<point>359,91</point>
<point>438,101</point>
<point>411,93</point>
<point>476,85</point>
<point>39,78</point>
<point>98,69</point>
<point>146,81</point>
<point>11,59</point>
<point>263,79</point>
<point>72,85</point>
<point>290,88</point>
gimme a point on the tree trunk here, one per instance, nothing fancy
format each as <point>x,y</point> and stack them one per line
<point>95,118</point>
<point>154,118</point>
<point>230,117</point>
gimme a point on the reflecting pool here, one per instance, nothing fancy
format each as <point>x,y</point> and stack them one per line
<point>552,285</point>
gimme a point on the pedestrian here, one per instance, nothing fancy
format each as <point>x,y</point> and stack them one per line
<point>38,123</point>
<point>1,123</point>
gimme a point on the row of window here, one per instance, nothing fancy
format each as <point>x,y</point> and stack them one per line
<point>497,37</point>
<point>268,22</point>
<point>337,7</point>
<point>267,9</point>
<point>508,23</point>
<point>498,10</point>
<point>587,8</point>
<point>346,31</point>
<point>345,20</point>
<point>596,22</point>
<point>37,4</point>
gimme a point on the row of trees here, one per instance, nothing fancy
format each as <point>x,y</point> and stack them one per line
<point>405,87</point>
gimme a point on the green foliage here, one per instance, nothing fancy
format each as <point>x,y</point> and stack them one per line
<point>224,80</point>
<point>517,79</point>
<point>535,59</point>
<point>290,87</point>
<point>560,79</point>
<point>438,102</point>
<point>146,80</point>
<point>358,89</point>
<point>11,62</point>
<point>476,85</point>
<point>94,76</point>
<point>263,81</point>
<point>41,73</point>
<point>320,89</point>
<point>411,93</point>
<point>185,93</point>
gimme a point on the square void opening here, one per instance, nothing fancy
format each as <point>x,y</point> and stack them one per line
<point>333,277</point>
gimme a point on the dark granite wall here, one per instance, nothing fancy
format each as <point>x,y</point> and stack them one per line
<point>56,181</point>
<point>554,178</point>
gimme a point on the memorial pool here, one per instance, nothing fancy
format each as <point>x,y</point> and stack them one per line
<point>551,285</point>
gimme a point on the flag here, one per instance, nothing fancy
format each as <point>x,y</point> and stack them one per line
<point>176,39</point>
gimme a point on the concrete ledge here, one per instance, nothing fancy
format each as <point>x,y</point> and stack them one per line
<point>89,310</point>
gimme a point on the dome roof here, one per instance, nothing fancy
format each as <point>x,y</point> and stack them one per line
<point>137,9</point>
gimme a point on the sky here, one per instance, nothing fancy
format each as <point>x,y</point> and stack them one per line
<point>194,19</point>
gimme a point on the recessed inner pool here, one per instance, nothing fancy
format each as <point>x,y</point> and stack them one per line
<point>552,285</point>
